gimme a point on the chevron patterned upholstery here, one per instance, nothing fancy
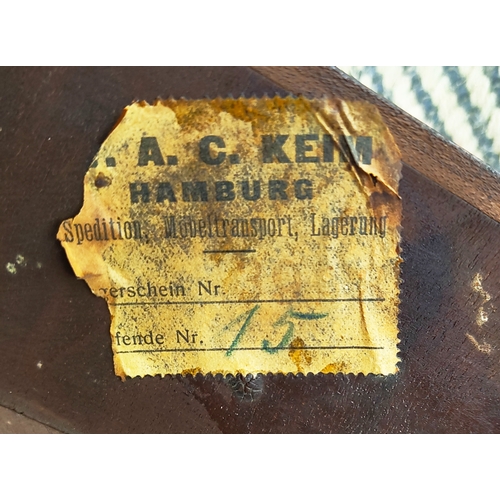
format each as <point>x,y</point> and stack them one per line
<point>462,103</point>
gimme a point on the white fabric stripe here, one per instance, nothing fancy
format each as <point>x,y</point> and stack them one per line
<point>360,74</point>
<point>367,79</point>
<point>402,94</point>
<point>482,96</point>
<point>435,82</point>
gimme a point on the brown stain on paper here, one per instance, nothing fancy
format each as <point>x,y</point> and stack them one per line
<point>299,356</point>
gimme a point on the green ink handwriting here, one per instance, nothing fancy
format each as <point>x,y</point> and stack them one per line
<point>243,329</point>
<point>283,320</point>
<point>287,337</point>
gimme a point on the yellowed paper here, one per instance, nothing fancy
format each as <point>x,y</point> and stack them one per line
<point>244,236</point>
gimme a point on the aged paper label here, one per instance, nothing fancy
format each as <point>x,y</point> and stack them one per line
<point>244,236</point>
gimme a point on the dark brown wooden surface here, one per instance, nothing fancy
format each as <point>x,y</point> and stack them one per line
<point>55,350</point>
<point>12,422</point>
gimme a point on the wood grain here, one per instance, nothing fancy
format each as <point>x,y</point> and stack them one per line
<point>15,423</point>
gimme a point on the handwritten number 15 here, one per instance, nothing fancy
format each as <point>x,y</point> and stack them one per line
<point>285,319</point>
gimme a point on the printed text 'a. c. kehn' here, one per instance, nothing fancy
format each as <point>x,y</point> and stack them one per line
<point>303,148</point>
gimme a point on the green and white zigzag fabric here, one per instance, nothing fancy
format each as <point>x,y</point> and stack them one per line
<point>462,103</point>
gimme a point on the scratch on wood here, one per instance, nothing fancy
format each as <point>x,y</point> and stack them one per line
<point>11,268</point>
<point>477,285</point>
<point>486,348</point>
